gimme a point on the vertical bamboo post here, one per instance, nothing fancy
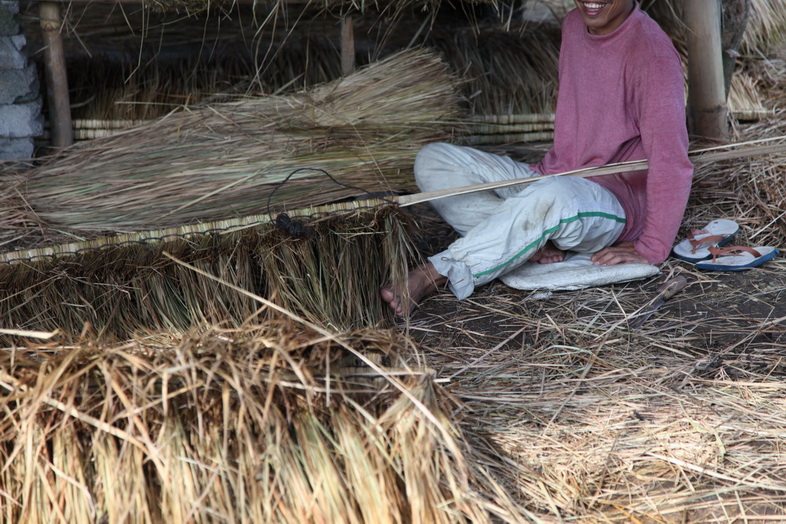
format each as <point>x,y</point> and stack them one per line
<point>56,78</point>
<point>706,87</point>
<point>347,45</point>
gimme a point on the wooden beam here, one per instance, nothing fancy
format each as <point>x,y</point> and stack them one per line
<point>708,113</point>
<point>347,45</point>
<point>59,103</point>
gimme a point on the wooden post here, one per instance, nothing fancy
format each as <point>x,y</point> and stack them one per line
<point>347,45</point>
<point>708,114</point>
<point>59,103</point>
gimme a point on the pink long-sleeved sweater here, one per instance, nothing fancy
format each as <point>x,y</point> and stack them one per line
<point>621,97</point>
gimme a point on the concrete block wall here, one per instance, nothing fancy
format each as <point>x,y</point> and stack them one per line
<point>20,93</point>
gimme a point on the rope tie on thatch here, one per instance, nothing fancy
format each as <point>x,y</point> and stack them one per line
<point>297,228</point>
<point>330,276</point>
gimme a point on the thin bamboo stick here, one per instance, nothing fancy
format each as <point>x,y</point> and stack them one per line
<point>494,129</point>
<point>477,140</point>
<point>715,154</point>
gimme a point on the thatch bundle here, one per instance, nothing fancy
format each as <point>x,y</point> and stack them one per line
<point>765,29</point>
<point>328,269</point>
<point>227,159</point>
<point>507,72</point>
<point>272,423</point>
<point>767,26</point>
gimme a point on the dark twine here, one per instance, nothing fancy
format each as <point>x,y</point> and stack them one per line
<point>297,228</point>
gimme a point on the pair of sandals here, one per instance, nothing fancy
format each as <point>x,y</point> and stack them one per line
<point>710,249</point>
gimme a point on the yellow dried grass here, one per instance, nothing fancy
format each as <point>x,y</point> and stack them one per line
<point>227,160</point>
<point>268,423</point>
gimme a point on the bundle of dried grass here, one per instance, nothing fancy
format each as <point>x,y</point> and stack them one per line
<point>745,101</point>
<point>272,423</point>
<point>766,26</point>
<point>764,32</point>
<point>18,222</point>
<point>327,268</point>
<point>508,72</point>
<point>227,159</point>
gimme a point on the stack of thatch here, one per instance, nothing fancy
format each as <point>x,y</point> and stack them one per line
<point>333,6</point>
<point>508,72</point>
<point>329,272</point>
<point>764,32</point>
<point>253,155</point>
<point>272,423</point>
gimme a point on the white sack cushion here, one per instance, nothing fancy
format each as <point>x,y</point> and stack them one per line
<point>576,272</point>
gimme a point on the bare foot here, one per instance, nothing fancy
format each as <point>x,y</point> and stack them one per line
<point>548,254</point>
<point>421,283</point>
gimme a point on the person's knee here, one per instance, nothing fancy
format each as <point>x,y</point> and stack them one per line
<point>431,160</point>
<point>548,190</point>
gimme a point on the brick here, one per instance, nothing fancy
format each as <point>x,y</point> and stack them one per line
<point>18,85</point>
<point>8,22</point>
<point>21,120</point>
<point>11,55</point>
<point>12,6</point>
<point>16,148</point>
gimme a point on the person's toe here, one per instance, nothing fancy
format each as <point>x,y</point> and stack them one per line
<point>387,295</point>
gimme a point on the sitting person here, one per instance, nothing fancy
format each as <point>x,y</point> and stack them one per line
<point>621,97</point>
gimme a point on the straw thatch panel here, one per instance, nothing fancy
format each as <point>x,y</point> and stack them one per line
<point>765,30</point>
<point>324,264</point>
<point>253,155</point>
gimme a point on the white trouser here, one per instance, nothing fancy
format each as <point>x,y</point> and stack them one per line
<point>501,229</point>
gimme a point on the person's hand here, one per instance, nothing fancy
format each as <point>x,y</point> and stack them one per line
<point>618,254</point>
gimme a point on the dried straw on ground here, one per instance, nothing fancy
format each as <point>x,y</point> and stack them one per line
<point>604,424</point>
<point>227,159</point>
<point>329,272</point>
<point>750,191</point>
<point>592,420</point>
<point>271,423</point>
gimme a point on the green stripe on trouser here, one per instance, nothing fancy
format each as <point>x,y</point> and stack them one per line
<point>545,236</point>
<point>574,213</point>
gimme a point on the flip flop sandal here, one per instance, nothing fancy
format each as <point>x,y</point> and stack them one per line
<point>737,258</point>
<point>697,246</point>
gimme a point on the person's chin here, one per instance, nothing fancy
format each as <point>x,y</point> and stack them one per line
<point>594,24</point>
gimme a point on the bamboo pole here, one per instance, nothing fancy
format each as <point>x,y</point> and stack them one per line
<point>706,85</point>
<point>752,148</point>
<point>55,72</point>
<point>347,45</point>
